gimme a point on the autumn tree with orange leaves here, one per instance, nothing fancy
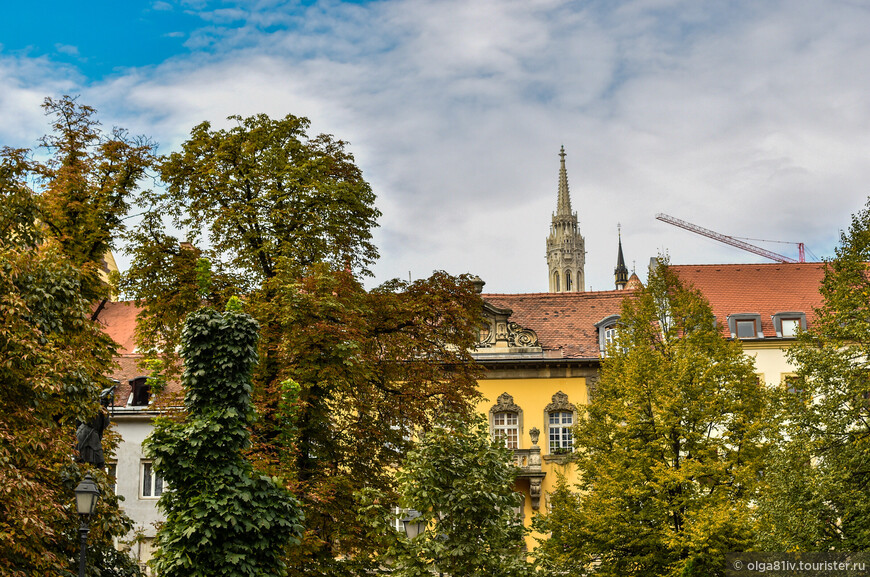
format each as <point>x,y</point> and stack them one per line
<point>57,220</point>
<point>346,376</point>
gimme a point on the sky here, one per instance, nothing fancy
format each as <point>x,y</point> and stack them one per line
<point>747,117</point>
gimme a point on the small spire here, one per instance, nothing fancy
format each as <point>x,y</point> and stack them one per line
<point>563,206</point>
<point>620,273</point>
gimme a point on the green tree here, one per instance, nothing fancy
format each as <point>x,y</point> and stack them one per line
<point>669,449</point>
<point>222,517</point>
<point>818,501</point>
<point>344,373</point>
<point>86,184</point>
<point>53,356</point>
<point>462,484</point>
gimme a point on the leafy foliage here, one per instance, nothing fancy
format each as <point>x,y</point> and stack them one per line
<point>86,185</point>
<point>463,485</point>
<point>669,450</point>
<point>265,193</point>
<point>819,501</point>
<point>372,367</point>
<point>53,357</point>
<point>222,517</point>
<point>344,373</point>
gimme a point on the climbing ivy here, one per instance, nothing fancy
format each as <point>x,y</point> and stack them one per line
<point>222,517</point>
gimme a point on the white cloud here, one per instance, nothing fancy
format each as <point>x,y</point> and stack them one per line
<point>747,118</point>
<point>67,49</point>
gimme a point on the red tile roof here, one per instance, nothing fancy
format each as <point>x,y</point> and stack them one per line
<point>765,289</point>
<point>564,322</point>
<point>118,320</point>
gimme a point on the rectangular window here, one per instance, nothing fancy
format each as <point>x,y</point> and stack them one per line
<point>790,327</point>
<point>561,439</point>
<point>793,384</point>
<point>506,429</point>
<point>398,515</point>
<point>746,329</point>
<point>609,336</point>
<point>152,484</point>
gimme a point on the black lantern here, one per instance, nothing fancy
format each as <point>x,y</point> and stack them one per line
<point>414,524</point>
<point>87,494</point>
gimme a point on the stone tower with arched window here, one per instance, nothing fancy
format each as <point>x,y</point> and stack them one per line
<point>566,249</point>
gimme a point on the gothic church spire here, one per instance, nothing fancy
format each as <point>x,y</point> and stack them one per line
<point>563,204</point>
<point>620,273</point>
<point>566,253</point>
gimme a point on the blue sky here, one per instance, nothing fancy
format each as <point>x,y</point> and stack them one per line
<point>748,117</point>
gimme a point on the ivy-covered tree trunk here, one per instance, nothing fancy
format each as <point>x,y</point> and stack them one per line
<point>222,516</point>
<point>668,451</point>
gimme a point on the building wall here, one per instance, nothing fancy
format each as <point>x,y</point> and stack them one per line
<point>770,360</point>
<point>134,427</point>
<point>532,394</point>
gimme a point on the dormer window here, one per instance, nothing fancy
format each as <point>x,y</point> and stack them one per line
<point>606,333</point>
<point>787,324</point>
<point>140,392</point>
<point>745,326</point>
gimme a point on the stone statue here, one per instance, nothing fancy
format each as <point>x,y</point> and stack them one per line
<point>89,435</point>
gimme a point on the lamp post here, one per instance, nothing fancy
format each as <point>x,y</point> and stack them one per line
<point>415,525</point>
<point>87,494</point>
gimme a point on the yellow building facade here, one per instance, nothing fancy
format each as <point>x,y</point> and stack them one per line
<point>542,354</point>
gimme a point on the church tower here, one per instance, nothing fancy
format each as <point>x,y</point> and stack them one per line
<point>566,249</point>
<point>620,273</point>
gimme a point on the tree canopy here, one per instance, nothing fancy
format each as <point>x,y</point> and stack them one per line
<point>53,356</point>
<point>344,373</point>
<point>462,485</point>
<point>819,502</point>
<point>669,449</point>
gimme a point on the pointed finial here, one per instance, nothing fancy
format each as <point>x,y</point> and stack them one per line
<point>620,273</point>
<point>563,204</point>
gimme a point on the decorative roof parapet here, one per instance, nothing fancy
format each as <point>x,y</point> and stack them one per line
<point>498,332</point>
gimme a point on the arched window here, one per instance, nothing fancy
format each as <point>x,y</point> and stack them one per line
<point>506,421</point>
<point>556,284</point>
<point>606,333</point>
<point>568,281</point>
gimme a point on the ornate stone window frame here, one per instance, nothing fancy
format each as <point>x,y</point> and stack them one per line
<point>505,404</point>
<point>559,404</point>
<point>602,326</point>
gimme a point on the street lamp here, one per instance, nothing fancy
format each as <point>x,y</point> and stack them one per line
<point>414,524</point>
<point>87,494</point>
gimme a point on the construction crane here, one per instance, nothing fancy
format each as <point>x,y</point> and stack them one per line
<point>731,240</point>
